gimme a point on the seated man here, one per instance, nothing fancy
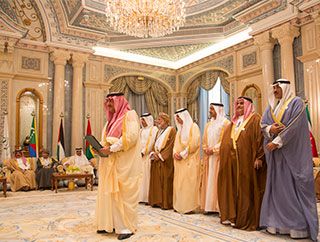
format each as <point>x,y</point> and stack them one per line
<point>45,168</point>
<point>79,163</point>
<point>23,176</point>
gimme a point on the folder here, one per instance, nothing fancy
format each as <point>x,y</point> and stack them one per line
<point>95,144</point>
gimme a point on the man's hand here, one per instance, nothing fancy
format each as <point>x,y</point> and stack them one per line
<point>257,164</point>
<point>177,156</point>
<point>105,150</point>
<point>276,128</point>
<point>208,151</point>
<point>271,146</point>
<point>156,157</point>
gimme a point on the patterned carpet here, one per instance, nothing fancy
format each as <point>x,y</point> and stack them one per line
<point>69,216</point>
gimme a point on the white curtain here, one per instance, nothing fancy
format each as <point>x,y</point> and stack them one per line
<point>204,107</point>
<point>225,100</point>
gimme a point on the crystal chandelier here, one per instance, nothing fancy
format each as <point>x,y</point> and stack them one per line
<point>146,18</point>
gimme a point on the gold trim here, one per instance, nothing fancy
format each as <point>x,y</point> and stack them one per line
<point>277,118</point>
<point>124,131</point>
<point>235,134</point>
<point>39,96</point>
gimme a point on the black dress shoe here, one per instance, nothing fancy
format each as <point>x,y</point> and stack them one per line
<point>102,232</point>
<point>124,236</point>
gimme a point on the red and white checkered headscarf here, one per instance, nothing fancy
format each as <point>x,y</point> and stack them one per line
<point>115,120</point>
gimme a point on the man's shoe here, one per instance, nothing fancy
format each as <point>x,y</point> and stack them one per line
<point>124,236</point>
<point>102,232</point>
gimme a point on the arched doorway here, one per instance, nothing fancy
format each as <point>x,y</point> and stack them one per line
<point>203,90</point>
<point>254,92</point>
<point>29,102</point>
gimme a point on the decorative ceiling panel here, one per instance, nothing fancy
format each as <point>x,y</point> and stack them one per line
<point>26,14</point>
<point>171,53</point>
<point>82,23</point>
<point>71,7</point>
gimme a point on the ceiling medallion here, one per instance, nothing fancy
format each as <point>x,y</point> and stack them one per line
<point>146,18</point>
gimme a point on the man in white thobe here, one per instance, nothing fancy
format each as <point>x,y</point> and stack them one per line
<point>148,134</point>
<point>211,146</point>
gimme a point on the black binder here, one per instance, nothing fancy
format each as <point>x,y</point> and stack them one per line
<point>95,144</point>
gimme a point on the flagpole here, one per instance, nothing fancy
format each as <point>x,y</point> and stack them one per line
<point>58,151</point>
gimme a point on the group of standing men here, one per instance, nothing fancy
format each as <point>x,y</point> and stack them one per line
<point>256,173</point>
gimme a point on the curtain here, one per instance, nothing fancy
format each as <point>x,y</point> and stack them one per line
<point>144,95</point>
<point>277,61</point>
<point>225,100</point>
<point>206,81</point>
<point>298,67</point>
<point>138,101</point>
<point>204,107</point>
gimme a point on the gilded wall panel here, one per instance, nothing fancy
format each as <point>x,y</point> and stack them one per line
<point>249,59</point>
<point>4,90</point>
<point>31,62</point>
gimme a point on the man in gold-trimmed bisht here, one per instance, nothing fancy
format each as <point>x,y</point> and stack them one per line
<point>22,176</point>
<point>120,173</point>
<point>45,168</point>
<point>242,171</point>
<point>161,173</point>
<point>289,203</point>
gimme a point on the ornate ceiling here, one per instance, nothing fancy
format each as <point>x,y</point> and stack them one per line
<point>82,24</point>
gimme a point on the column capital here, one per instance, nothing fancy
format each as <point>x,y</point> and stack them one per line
<point>59,56</point>
<point>79,59</point>
<point>316,18</point>
<point>264,41</point>
<point>285,33</point>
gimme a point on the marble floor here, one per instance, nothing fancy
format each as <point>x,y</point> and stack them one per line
<point>69,216</point>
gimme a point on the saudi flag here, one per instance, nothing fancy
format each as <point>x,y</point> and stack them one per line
<point>60,148</point>
<point>312,140</point>
<point>89,152</point>
<point>33,146</point>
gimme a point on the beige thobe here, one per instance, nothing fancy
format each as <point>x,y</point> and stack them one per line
<point>120,177</point>
<point>22,175</point>
<point>186,183</point>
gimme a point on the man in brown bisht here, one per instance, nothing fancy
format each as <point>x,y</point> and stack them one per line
<point>242,172</point>
<point>45,168</point>
<point>23,175</point>
<point>161,173</point>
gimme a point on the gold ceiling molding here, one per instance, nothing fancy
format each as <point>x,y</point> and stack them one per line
<point>216,16</point>
<point>171,53</point>
<point>252,13</point>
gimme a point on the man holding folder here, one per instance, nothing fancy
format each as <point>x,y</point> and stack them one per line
<point>120,173</point>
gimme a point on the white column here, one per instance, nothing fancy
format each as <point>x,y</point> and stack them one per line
<point>285,35</point>
<point>59,57</point>
<point>77,132</point>
<point>265,44</point>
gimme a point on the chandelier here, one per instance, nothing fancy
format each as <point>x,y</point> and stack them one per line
<point>146,18</point>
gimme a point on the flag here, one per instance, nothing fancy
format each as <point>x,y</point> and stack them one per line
<point>60,147</point>
<point>89,152</point>
<point>33,146</point>
<point>312,140</point>
<point>5,153</point>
